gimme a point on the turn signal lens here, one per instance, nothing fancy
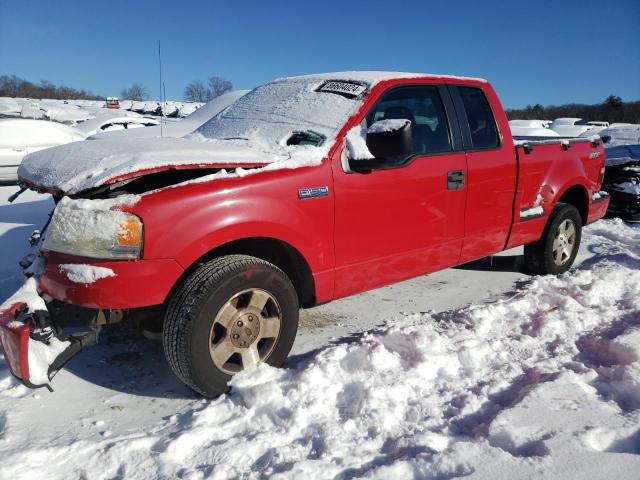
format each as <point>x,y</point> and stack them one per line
<point>130,233</point>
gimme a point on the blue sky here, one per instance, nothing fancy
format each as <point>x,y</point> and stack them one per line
<point>544,51</point>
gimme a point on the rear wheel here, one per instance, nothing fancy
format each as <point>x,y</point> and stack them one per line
<point>230,314</point>
<point>556,250</point>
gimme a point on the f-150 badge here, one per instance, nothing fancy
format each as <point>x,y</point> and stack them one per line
<point>313,192</point>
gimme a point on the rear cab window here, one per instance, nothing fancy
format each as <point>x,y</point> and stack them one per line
<point>480,118</point>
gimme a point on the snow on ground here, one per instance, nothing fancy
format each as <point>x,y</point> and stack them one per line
<point>477,371</point>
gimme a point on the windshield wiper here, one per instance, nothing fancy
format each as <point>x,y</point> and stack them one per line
<point>308,137</point>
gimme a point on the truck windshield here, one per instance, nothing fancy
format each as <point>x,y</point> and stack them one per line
<point>293,111</point>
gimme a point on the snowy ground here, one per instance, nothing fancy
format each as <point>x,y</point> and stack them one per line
<point>477,371</point>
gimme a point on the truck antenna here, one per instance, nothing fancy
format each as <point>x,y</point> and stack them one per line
<point>160,70</point>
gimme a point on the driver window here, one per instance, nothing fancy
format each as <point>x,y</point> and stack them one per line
<point>423,107</point>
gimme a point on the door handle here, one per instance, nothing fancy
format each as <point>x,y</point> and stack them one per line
<point>455,180</point>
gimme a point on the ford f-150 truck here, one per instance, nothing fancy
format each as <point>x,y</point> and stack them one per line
<point>305,190</point>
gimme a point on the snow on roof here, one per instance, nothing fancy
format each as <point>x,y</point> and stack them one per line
<point>374,77</point>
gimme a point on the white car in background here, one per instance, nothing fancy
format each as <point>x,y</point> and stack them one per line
<point>530,123</point>
<point>180,128</point>
<point>618,134</point>
<point>153,107</point>
<point>9,107</point>
<point>113,124</point>
<point>137,107</point>
<point>62,112</point>
<point>188,108</point>
<point>19,137</point>
<point>576,127</point>
<point>531,128</point>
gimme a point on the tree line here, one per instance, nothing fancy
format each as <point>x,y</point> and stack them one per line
<point>613,110</point>
<point>196,91</point>
<point>14,86</point>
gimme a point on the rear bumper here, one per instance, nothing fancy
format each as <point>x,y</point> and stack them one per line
<point>136,284</point>
<point>598,207</point>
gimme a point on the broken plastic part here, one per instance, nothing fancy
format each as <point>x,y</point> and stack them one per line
<point>35,238</point>
<point>13,197</point>
<point>27,261</point>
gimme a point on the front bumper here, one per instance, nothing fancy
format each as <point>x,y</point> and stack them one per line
<point>32,357</point>
<point>14,341</point>
<point>136,284</point>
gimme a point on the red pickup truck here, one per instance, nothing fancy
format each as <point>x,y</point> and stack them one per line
<point>305,190</point>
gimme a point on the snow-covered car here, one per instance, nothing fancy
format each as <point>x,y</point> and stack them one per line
<point>100,125</point>
<point>575,127</point>
<point>153,108</point>
<point>32,110</point>
<point>530,123</point>
<point>618,134</point>
<point>58,111</point>
<point>622,181</point>
<point>188,108</point>
<point>532,132</point>
<point>9,107</point>
<point>170,109</point>
<point>19,137</point>
<point>137,107</point>
<point>531,128</point>
<point>186,125</point>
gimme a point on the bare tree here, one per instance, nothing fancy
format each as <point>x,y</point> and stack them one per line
<point>218,86</point>
<point>137,92</point>
<point>195,92</point>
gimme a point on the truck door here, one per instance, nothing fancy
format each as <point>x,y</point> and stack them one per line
<point>492,174</point>
<point>405,217</point>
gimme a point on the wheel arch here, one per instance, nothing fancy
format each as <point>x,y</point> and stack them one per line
<point>578,196</point>
<point>278,252</point>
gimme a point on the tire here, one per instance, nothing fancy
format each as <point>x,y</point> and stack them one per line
<point>216,314</point>
<point>548,257</point>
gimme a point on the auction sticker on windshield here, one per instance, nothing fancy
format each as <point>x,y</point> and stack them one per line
<point>348,89</point>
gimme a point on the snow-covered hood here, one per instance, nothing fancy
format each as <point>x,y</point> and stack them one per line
<point>80,166</point>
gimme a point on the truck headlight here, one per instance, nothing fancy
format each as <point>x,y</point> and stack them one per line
<point>79,228</point>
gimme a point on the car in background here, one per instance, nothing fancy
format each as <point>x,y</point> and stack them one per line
<point>9,107</point>
<point>19,137</point>
<point>188,108</point>
<point>622,182</point>
<point>137,106</point>
<point>618,134</point>
<point>187,125</point>
<point>576,127</point>
<point>101,124</point>
<point>530,123</point>
<point>112,102</point>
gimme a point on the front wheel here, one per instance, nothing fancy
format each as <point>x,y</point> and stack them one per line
<point>556,250</point>
<point>230,314</point>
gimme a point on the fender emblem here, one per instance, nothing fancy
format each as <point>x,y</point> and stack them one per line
<point>313,192</point>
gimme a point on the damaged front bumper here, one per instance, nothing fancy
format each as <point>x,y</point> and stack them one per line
<point>32,350</point>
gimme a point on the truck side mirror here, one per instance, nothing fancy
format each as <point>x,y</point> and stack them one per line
<point>390,138</point>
